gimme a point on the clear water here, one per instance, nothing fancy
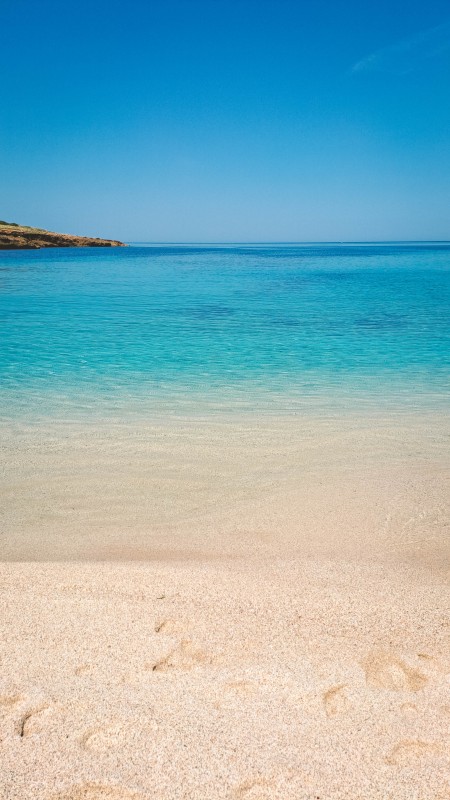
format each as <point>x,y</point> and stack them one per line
<point>176,329</point>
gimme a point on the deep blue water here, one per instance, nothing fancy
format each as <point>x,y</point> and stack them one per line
<point>257,326</point>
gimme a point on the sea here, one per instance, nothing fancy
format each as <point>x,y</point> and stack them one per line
<point>153,330</point>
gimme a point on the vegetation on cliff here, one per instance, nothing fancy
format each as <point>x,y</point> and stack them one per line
<point>22,237</point>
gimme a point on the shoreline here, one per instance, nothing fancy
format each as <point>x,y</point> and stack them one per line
<point>225,487</point>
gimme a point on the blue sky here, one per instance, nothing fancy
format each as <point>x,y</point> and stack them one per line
<point>227,120</point>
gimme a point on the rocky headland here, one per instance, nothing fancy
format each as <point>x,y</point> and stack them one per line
<point>22,237</point>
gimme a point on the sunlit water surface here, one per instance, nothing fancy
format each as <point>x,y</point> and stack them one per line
<point>169,330</point>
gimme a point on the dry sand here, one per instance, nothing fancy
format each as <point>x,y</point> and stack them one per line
<point>284,635</point>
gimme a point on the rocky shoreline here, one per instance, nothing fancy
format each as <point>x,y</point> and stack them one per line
<point>21,237</point>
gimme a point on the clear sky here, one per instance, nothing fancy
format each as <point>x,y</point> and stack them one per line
<point>227,120</point>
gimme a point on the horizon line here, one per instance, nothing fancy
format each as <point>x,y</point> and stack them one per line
<point>287,241</point>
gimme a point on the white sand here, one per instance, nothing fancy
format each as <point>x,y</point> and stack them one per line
<point>286,637</point>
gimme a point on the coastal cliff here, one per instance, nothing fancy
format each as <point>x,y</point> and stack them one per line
<point>22,237</point>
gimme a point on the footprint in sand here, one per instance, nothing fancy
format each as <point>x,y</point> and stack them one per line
<point>410,709</point>
<point>335,700</point>
<point>82,669</point>
<point>9,700</point>
<point>239,688</point>
<point>234,691</point>
<point>407,753</point>
<point>426,658</point>
<point>33,721</point>
<point>386,671</point>
<point>255,790</point>
<point>275,786</point>
<point>184,657</point>
<point>102,739</point>
<point>91,791</point>
<point>169,627</point>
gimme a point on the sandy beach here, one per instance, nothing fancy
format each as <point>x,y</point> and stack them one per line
<point>266,617</point>
<point>234,680</point>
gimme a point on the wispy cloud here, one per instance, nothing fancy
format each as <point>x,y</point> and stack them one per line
<point>408,54</point>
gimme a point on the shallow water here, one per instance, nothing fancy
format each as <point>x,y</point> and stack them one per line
<point>164,329</point>
<point>162,402</point>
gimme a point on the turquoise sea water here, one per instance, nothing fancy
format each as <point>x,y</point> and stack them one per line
<point>181,328</point>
